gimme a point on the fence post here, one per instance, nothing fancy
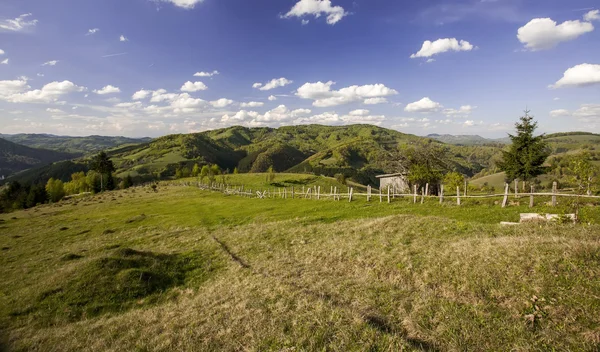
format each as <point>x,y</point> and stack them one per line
<point>292,192</point>
<point>350,194</point>
<point>319,193</point>
<point>457,195</point>
<point>516,188</point>
<point>415,194</point>
<point>427,189</point>
<point>394,191</point>
<point>389,201</point>
<point>531,197</point>
<point>554,191</point>
<point>505,196</point>
<point>334,193</point>
<point>368,193</point>
<point>466,186</point>
<point>380,195</point>
<point>422,195</point>
<point>441,194</point>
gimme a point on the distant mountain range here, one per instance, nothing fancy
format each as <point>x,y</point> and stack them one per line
<point>15,157</point>
<point>468,139</point>
<point>81,145</point>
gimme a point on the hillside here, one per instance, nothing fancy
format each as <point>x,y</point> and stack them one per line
<point>187,270</point>
<point>81,145</point>
<point>468,139</point>
<point>359,151</point>
<point>15,157</point>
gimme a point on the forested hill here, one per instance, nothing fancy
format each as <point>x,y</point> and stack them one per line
<point>359,151</point>
<point>82,145</point>
<point>15,157</point>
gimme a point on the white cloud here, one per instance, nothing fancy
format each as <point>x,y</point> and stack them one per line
<point>317,8</point>
<point>593,15</point>
<point>359,112</point>
<point>588,112</point>
<point>463,111</point>
<point>141,94</point>
<point>252,104</point>
<point>423,105</point>
<point>161,95</point>
<point>439,46</point>
<point>40,75</point>
<point>4,62</point>
<point>274,83</point>
<point>430,61</point>
<point>305,22</point>
<point>544,33</point>
<point>108,90</point>
<point>186,4</point>
<point>206,74</point>
<point>19,24</point>
<point>55,111</point>
<point>1,52</point>
<point>193,87</point>
<point>122,38</point>
<point>8,88</point>
<point>51,92</point>
<point>272,98</point>
<point>93,31</point>
<point>374,101</point>
<point>275,117</point>
<point>184,103</point>
<point>50,63</point>
<point>556,99</point>
<point>324,96</point>
<point>130,105</point>
<point>221,103</point>
<point>559,113</point>
<point>580,75</point>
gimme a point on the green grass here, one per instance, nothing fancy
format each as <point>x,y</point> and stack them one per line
<point>185,269</point>
<point>496,180</point>
<point>258,181</point>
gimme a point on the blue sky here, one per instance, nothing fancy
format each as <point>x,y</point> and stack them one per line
<point>122,67</point>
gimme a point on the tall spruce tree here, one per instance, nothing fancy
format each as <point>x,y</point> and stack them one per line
<point>525,158</point>
<point>102,164</point>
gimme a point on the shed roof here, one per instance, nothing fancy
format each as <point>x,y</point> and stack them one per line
<point>391,175</point>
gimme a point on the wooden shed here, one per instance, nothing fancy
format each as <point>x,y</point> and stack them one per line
<point>397,182</point>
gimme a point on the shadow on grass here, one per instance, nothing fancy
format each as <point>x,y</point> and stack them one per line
<point>123,280</point>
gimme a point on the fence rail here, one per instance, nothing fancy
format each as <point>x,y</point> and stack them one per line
<point>386,195</point>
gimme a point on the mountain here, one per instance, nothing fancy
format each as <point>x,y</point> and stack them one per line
<point>359,151</point>
<point>82,145</point>
<point>15,157</point>
<point>467,139</point>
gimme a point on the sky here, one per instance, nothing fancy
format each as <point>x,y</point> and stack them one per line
<point>156,67</point>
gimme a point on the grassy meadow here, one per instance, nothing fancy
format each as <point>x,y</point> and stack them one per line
<point>182,269</point>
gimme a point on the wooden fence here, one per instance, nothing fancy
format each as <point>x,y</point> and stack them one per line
<point>386,195</point>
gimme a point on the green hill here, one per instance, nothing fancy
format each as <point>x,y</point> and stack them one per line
<point>468,139</point>
<point>15,157</point>
<point>359,151</point>
<point>81,145</point>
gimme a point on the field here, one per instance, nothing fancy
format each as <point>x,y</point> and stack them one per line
<point>185,269</point>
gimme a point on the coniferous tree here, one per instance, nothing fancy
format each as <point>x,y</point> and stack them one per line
<point>526,155</point>
<point>104,166</point>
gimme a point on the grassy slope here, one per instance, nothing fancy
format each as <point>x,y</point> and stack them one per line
<point>15,157</point>
<point>311,274</point>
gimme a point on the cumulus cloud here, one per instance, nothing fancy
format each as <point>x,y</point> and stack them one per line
<point>193,87</point>
<point>544,33</point>
<point>93,31</point>
<point>184,103</point>
<point>4,62</point>
<point>107,90</point>
<point>221,103</point>
<point>463,111</point>
<point>588,112</point>
<point>50,63</point>
<point>206,74</point>
<point>423,105</point>
<point>161,95</point>
<point>55,111</point>
<point>19,24</point>
<point>274,117</point>
<point>580,75</point>
<point>317,8</point>
<point>374,101</point>
<point>593,15</point>
<point>122,38</point>
<point>141,94</point>
<point>559,113</point>
<point>185,4</point>
<point>439,46</point>
<point>272,98</point>
<point>274,83</point>
<point>252,104</point>
<point>51,92</point>
<point>2,52</point>
<point>359,112</point>
<point>324,96</point>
